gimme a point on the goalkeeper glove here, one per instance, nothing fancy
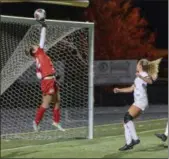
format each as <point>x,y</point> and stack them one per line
<point>42,22</point>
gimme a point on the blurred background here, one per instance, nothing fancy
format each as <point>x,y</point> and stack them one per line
<point>143,22</point>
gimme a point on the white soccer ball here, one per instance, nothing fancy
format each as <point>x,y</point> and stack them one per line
<point>40,14</point>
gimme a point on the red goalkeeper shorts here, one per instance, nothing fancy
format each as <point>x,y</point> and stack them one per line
<point>49,86</point>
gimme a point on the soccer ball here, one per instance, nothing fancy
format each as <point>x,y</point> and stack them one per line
<point>40,14</point>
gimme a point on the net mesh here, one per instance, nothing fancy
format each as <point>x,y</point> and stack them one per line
<point>20,89</point>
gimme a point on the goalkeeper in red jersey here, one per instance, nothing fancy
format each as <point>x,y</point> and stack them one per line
<point>45,71</point>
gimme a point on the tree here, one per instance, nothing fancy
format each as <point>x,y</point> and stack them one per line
<point>120,31</point>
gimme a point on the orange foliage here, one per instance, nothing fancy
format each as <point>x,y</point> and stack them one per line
<point>120,31</point>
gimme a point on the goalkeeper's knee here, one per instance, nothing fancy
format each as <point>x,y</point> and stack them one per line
<point>127,117</point>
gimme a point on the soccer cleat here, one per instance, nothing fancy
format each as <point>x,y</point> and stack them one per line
<point>163,137</point>
<point>126,147</point>
<point>35,127</point>
<point>57,125</point>
<point>135,142</point>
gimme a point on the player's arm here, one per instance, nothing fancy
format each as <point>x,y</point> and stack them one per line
<point>42,34</point>
<point>124,90</point>
<point>38,73</point>
<point>147,79</point>
<point>38,70</point>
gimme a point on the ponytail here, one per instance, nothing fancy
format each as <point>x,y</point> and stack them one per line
<point>153,68</point>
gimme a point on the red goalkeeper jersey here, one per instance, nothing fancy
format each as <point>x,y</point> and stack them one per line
<point>44,65</point>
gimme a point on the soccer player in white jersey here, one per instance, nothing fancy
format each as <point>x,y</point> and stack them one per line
<point>164,136</point>
<point>147,72</point>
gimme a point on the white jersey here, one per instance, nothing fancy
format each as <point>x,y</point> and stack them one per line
<point>140,91</point>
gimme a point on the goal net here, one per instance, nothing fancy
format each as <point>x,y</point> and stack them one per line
<point>70,46</point>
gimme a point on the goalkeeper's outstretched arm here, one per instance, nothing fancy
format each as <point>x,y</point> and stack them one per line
<point>34,48</point>
<point>42,36</point>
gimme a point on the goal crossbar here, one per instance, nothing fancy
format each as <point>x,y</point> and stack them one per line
<point>32,21</point>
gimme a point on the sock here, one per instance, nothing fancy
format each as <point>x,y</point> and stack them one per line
<point>132,129</point>
<point>166,130</point>
<point>39,114</point>
<point>56,115</point>
<point>127,134</point>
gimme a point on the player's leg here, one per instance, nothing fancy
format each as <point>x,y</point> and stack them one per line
<point>127,135</point>
<point>46,99</point>
<point>166,131</point>
<point>164,136</point>
<point>134,112</point>
<point>56,111</point>
<point>47,91</point>
<point>130,132</point>
<point>56,107</point>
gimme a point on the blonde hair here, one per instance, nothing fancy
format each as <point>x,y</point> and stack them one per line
<point>151,67</point>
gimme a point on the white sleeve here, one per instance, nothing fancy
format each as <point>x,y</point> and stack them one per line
<point>42,37</point>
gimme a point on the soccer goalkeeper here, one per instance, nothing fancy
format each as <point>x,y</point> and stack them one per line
<point>45,71</point>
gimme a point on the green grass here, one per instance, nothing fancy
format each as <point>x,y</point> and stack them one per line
<point>108,138</point>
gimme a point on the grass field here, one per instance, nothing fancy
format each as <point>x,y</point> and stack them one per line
<point>108,138</point>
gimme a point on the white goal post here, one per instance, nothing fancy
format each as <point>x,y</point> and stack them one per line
<point>71,47</point>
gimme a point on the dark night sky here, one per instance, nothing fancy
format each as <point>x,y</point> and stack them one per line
<point>155,11</point>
